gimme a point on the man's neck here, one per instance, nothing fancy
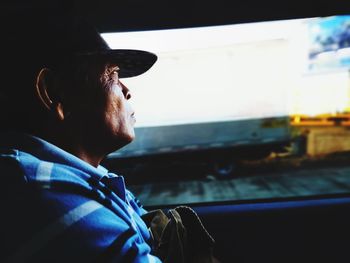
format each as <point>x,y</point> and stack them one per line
<point>76,146</point>
<point>85,155</point>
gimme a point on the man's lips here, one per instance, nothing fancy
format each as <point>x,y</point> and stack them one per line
<point>133,116</point>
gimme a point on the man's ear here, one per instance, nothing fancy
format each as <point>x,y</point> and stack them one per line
<point>44,82</point>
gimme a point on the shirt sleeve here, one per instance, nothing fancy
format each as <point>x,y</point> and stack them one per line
<point>76,229</point>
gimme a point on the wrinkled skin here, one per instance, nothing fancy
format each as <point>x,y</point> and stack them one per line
<point>98,118</point>
<point>117,115</point>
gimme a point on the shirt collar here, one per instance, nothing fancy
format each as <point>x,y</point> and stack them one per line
<point>48,152</point>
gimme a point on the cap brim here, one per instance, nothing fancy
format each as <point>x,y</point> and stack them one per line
<point>131,62</point>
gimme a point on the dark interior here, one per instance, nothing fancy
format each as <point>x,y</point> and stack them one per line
<point>109,15</point>
<point>286,231</point>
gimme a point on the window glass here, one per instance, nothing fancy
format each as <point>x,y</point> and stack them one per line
<point>239,112</point>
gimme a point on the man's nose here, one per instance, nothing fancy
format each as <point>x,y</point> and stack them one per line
<point>126,91</point>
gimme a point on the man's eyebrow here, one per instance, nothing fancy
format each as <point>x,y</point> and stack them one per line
<point>112,68</point>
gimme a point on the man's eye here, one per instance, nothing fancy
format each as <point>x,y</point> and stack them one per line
<point>113,75</point>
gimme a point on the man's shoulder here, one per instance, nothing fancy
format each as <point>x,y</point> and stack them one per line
<point>18,163</point>
<point>14,163</point>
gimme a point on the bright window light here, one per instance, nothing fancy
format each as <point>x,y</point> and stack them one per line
<point>229,72</point>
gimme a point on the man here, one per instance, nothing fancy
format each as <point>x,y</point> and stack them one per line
<point>64,108</point>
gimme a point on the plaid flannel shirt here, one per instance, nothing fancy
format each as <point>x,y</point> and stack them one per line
<point>58,208</point>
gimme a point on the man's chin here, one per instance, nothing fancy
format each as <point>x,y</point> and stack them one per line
<point>131,136</point>
<point>122,142</point>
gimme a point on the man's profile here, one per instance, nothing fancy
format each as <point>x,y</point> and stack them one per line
<point>63,109</point>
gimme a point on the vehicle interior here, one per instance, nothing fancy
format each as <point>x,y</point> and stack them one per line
<point>254,137</point>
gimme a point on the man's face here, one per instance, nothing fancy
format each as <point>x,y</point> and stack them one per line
<point>118,115</point>
<point>106,116</point>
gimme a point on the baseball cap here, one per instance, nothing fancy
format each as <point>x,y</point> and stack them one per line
<point>48,41</point>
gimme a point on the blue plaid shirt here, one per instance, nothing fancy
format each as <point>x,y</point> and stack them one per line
<point>58,208</point>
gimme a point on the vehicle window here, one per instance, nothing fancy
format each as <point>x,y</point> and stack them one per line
<point>240,112</point>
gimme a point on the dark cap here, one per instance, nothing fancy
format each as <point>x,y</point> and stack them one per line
<point>35,40</point>
<point>50,41</point>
